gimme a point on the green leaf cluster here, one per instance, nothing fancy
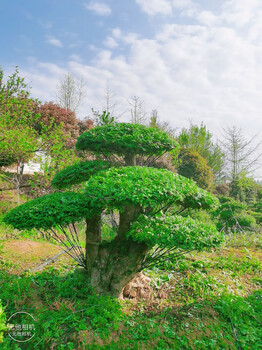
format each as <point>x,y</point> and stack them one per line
<point>175,231</point>
<point>124,138</point>
<point>78,173</point>
<point>49,211</point>
<point>145,187</point>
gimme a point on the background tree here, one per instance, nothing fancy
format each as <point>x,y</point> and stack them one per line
<point>137,110</point>
<point>138,199</point>
<point>58,129</point>
<point>52,115</point>
<point>234,216</point>
<point>244,189</point>
<point>155,122</point>
<point>242,158</point>
<point>23,136</point>
<point>193,166</point>
<point>242,155</point>
<point>108,103</point>
<point>104,118</point>
<point>200,139</point>
<point>18,139</point>
<point>71,92</point>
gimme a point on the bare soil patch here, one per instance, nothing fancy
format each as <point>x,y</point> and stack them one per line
<point>28,254</point>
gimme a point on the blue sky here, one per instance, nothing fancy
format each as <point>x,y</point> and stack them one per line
<point>192,60</point>
<point>56,30</point>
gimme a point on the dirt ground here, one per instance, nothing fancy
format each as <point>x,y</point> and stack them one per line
<point>27,254</point>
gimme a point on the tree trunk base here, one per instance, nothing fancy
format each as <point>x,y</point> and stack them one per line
<point>116,264</point>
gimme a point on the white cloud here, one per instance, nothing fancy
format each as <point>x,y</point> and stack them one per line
<point>209,70</point>
<point>75,58</point>
<point>154,7</point>
<point>116,33</point>
<point>45,24</point>
<point>207,18</point>
<point>110,43</point>
<point>99,8</point>
<point>186,71</point>
<point>163,7</point>
<point>241,12</point>
<point>54,41</point>
<point>43,77</point>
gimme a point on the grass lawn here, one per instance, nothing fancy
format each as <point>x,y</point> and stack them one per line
<point>208,300</point>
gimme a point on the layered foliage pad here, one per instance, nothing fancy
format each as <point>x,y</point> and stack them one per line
<point>149,190</point>
<point>50,211</point>
<point>145,187</point>
<point>78,173</point>
<point>174,231</point>
<point>113,188</point>
<point>124,138</point>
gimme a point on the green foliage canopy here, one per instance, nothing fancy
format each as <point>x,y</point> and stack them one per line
<point>112,188</point>
<point>174,231</point>
<point>145,187</point>
<point>49,211</point>
<point>123,139</point>
<point>77,173</point>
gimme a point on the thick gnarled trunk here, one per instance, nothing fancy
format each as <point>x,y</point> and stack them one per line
<point>111,265</point>
<point>93,240</point>
<point>116,264</point>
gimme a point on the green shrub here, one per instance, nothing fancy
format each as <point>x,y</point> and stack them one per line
<point>233,215</point>
<point>2,322</point>
<point>193,166</point>
<point>244,317</point>
<point>63,305</point>
<point>257,211</point>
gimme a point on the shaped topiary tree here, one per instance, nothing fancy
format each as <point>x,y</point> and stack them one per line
<point>142,202</point>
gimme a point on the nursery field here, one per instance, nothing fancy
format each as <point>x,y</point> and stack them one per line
<point>207,300</point>
<point>162,230</point>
